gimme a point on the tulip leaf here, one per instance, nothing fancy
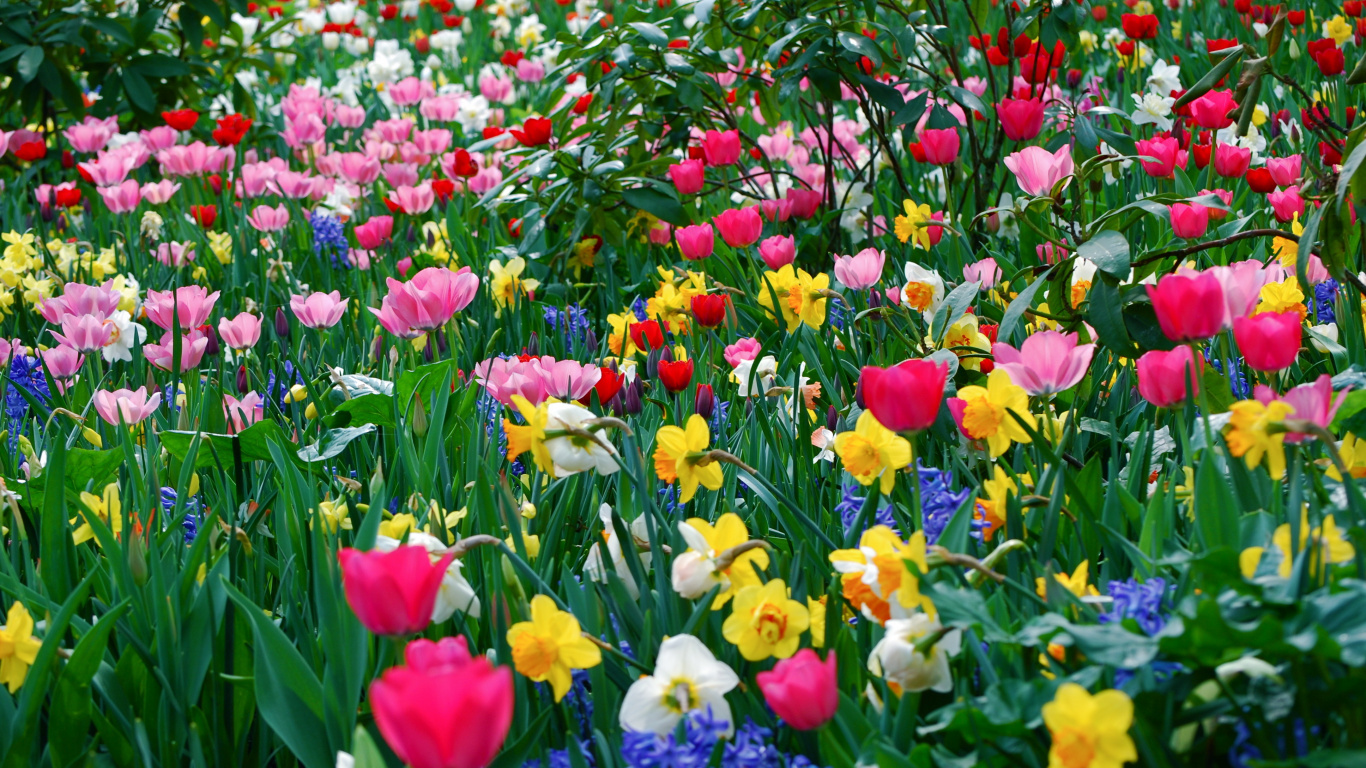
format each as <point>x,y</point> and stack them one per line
<point>29,61</point>
<point>1351,167</point>
<point>364,750</point>
<point>657,204</point>
<point>333,442</point>
<point>373,408</point>
<point>1110,252</point>
<point>1106,315</point>
<point>254,444</point>
<point>954,306</point>
<point>1215,509</point>
<point>1019,305</point>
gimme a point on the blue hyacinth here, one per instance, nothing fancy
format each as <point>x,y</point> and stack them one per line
<point>939,503</point>
<point>852,503</point>
<point>329,239</point>
<point>1325,294</point>
<point>1141,602</point>
<point>25,375</point>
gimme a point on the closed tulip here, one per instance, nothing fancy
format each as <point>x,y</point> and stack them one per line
<point>1189,307</point>
<point>941,145</point>
<point>906,396</point>
<point>392,593</point>
<point>721,147</point>
<point>696,242</point>
<point>688,176</point>
<point>739,227</point>
<point>676,375</point>
<point>1163,376</point>
<point>778,250</point>
<point>1269,341</point>
<point>1230,161</point>
<point>802,690</point>
<point>1189,220</point>
<point>1021,119</point>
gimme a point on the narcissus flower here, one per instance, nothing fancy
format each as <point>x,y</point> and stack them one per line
<point>800,297</point>
<point>546,648</point>
<point>873,452</point>
<point>994,413</point>
<point>1077,583</point>
<point>106,507</point>
<point>897,660</point>
<point>875,577</point>
<point>681,455</point>
<point>18,647</point>
<point>1089,731</point>
<point>696,571</point>
<point>1250,435</point>
<point>765,622</point>
<point>687,678</point>
<point>1329,545</point>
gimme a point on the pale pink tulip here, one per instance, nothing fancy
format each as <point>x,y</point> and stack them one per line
<point>126,407</point>
<point>1047,363</point>
<point>318,310</point>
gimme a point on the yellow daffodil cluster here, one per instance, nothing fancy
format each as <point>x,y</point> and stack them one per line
<point>1326,544</point>
<point>876,579</point>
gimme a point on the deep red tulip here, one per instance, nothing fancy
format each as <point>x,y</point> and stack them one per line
<point>710,309</point>
<point>535,132</point>
<point>647,335</point>
<point>181,119</point>
<point>676,375</point>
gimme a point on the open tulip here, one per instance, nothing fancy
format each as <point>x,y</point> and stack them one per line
<point>860,271</point>
<point>318,310</point>
<point>1046,363</point>
<point>126,406</point>
<point>1037,170</point>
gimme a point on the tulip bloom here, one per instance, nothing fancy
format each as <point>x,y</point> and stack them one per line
<point>1189,220</point>
<point>188,305</point>
<point>1242,284</point>
<point>675,375</point>
<point>860,271</point>
<point>1269,341</point>
<point>1021,119</point>
<point>318,309</point>
<point>392,593</point>
<point>1211,110</point>
<point>805,202</point>
<point>1312,402</point>
<point>802,690</point>
<point>778,251</point>
<point>121,198</point>
<point>688,176</point>
<point>721,147</point>
<point>1037,170</point>
<point>240,333</point>
<point>266,219</point>
<point>1285,171</point>
<point>1230,161</point>
<point>906,396</point>
<point>535,132</point>
<point>710,309</point>
<point>1189,307</point>
<point>426,302</point>
<point>374,232</point>
<point>1046,363</point>
<point>126,406</point>
<point>1163,376</point>
<point>739,227</point>
<point>1286,204</point>
<point>446,708</point>
<point>695,242</point>
<point>941,145</point>
<point>1164,153</point>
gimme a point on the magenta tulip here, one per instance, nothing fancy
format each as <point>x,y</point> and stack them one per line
<point>688,176</point>
<point>1189,220</point>
<point>739,227</point>
<point>941,145</point>
<point>1163,376</point>
<point>1189,307</point>
<point>1269,341</point>
<point>802,690</point>
<point>695,242</point>
<point>906,396</point>
<point>392,593</point>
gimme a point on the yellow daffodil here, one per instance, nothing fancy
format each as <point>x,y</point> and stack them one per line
<point>1251,438</point>
<point>507,284</point>
<point>1284,296</point>
<point>397,526</point>
<point>765,622</point>
<point>220,244</point>
<point>20,247</point>
<point>1338,28</point>
<point>333,514</point>
<point>992,509</point>
<point>1329,543</point>
<point>779,284</point>
<point>696,570</point>
<point>530,436</point>
<point>911,225</point>
<point>1089,731</point>
<point>800,296</point>
<point>1078,583</point>
<point>875,577</point>
<point>18,647</point>
<point>993,413</point>
<point>682,455</point>
<point>873,452</point>
<point>550,645</point>
<point>816,610</point>
<point>1353,453</point>
<point>106,508</point>
<point>964,338</point>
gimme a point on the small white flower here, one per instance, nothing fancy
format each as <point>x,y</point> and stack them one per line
<point>687,678</point>
<point>573,454</point>
<point>1153,110</point>
<point>1165,78</point>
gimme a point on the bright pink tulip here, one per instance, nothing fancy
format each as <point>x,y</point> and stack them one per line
<point>778,250</point>
<point>1231,161</point>
<point>445,709</point>
<point>159,138</point>
<point>802,690</point>
<point>1224,195</point>
<point>241,414</point>
<point>906,396</point>
<point>426,302</point>
<point>860,271</point>
<point>267,219</point>
<point>1163,150</point>
<point>192,347</point>
<point>85,333</point>
<point>130,406</point>
<point>374,232</point>
<point>984,271</point>
<point>775,210</point>
<point>1163,376</point>
<point>88,137</point>
<point>1312,402</point>
<point>1189,307</point>
<point>721,147</point>
<point>1211,110</point>
<point>536,379</point>
<point>1048,362</point>
<point>941,145</point>
<point>742,350</point>
<point>1189,220</point>
<point>122,198</point>
<point>805,202</point>
<point>688,176</point>
<point>1021,119</point>
<point>318,309</point>
<point>1286,204</point>
<point>695,242</point>
<point>392,593</point>
<point>190,304</point>
<point>1285,171</point>
<point>1269,341</point>
<point>1037,170</point>
<point>240,333</point>
<point>400,174</point>
<point>739,227</point>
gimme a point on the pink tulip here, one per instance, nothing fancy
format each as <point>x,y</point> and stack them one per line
<point>445,709</point>
<point>688,176</point>
<point>374,232</point>
<point>1163,150</point>
<point>739,227</point>
<point>85,333</point>
<point>536,379</point>
<point>1285,171</point>
<point>984,271</point>
<point>414,200</point>
<point>1312,402</point>
<point>400,174</point>
<point>805,202</point>
<point>1189,220</point>
<point>906,396</point>
<point>123,198</point>
<point>1048,362</point>
<point>1163,376</point>
<point>742,350</point>
<point>409,91</point>
<point>392,593</point>
<point>775,210</point>
<point>352,117</point>
<point>1189,307</point>
<point>193,159</point>
<point>1269,341</point>
<point>159,138</point>
<point>318,310</point>
<point>1211,110</point>
<point>941,145</point>
<point>1286,204</point>
<point>241,414</point>
<point>192,348</point>
<point>426,302</point>
<point>127,406</point>
<point>293,185</point>
<point>802,690</point>
<point>9,347</point>
<point>1021,119</point>
<point>661,234</point>
<point>267,219</point>
<point>358,168</point>
<point>88,138</point>
<point>1224,195</point>
<point>1242,284</point>
<point>1231,161</point>
<point>721,147</point>
<point>778,250</point>
<point>860,271</point>
<point>62,361</point>
<point>159,192</point>
<point>190,304</point>
<point>81,299</point>
<point>240,333</point>
<point>175,254</point>
<point>695,242</point>
<point>1037,170</point>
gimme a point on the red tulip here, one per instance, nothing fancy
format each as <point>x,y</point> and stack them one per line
<point>181,119</point>
<point>710,309</point>
<point>464,165</point>
<point>905,397</point>
<point>392,593</point>
<point>802,690</point>
<point>445,709</point>
<point>535,132</point>
<point>676,375</point>
<point>1261,180</point>
<point>204,215</point>
<point>1269,341</point>
<point>1189,307</point>
<point>1139,27</point>
<point>29,151</point>
<point>647,335</point>
<point>609,384</point>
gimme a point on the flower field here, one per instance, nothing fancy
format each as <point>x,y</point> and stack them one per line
<point>731,383</point>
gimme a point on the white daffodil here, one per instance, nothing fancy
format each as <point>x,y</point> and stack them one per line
<point>596,569</point>
<point>923,291</point>
<point>896,660</point>
<point>455,594</point>
<point>1165,78</point>
<point>1153,110</point>
<point>694,572</point>
<point>687,678</point>
<point>761,373</point>
<point>127,334</point>
<point>572,453</point>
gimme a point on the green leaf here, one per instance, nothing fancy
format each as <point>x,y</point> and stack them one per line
<point>1106,315</point>
<point>365,752</point>
<point>657,204</point>
<point>652,34</point>
<point>952,308</point>
<point>1215,510</point>
<point>1022,302</point>
<point>1206,83</point>
<point>69,713</point>
<point>139,92</point>
<point>1351,167</point>
<point>968,100</point>
<point>333,442</point>
<point>29,61</point>
<point>861,45</point>
<point>255,442</point>
<point>1110,252</point>
<point>372,408</point>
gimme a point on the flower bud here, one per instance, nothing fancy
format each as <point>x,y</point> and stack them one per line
<point>705,403</point>
<point>631,402</point>
<point>832,419</point>
<point>693,575</point>
<point>243,382</point>
<point>281,323</point>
